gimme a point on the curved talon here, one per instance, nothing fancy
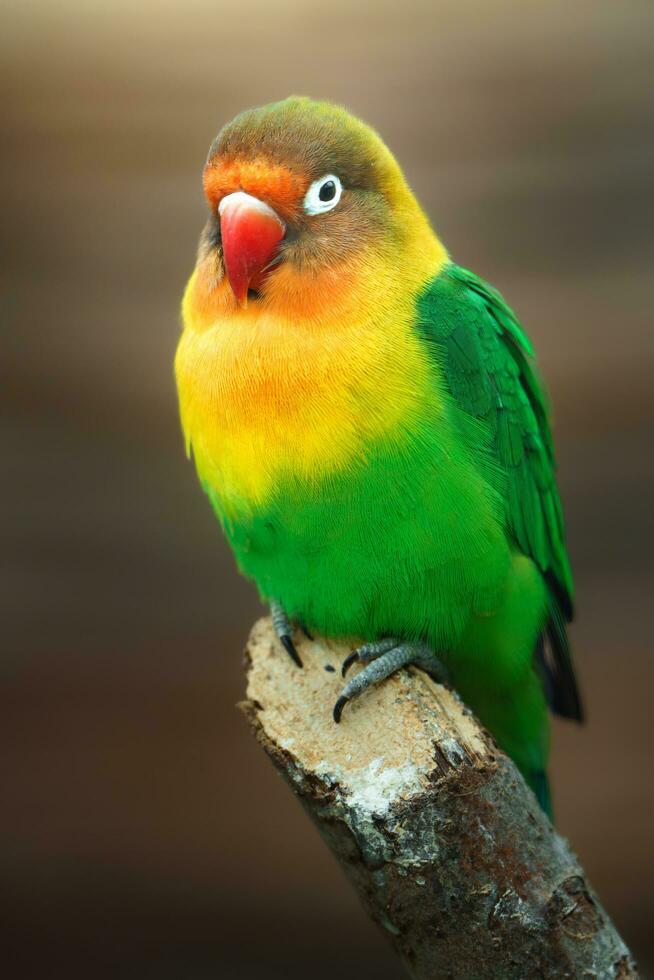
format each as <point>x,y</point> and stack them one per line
<point>338,708</point>
<point>347,663</point>
<point>381,659</point>
<point>289,646</point>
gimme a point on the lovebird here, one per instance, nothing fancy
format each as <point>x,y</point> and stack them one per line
<point>367,422</point>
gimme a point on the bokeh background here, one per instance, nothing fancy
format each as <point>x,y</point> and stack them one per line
<point>143,833</point>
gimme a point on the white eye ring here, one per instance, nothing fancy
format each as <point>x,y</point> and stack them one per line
<point>314,204</point>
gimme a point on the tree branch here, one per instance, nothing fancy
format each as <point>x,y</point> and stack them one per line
<point>433,825</point>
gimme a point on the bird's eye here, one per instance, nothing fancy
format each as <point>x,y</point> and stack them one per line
<point>323,195</point>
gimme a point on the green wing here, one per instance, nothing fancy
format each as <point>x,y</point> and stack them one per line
<point>486,358</point>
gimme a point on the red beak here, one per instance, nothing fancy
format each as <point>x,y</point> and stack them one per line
<point>251,232</point>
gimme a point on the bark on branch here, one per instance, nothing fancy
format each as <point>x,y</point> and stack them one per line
<point>432,824</point>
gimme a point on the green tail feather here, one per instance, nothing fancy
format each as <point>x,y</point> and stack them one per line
<point>541,787</point>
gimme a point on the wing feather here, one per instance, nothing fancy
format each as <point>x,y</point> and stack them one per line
<point>487,362</point>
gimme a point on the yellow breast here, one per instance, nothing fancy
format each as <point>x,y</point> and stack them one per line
<point>274,392</point>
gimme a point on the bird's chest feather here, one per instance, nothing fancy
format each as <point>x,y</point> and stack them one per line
<point>267,401</point>
<point>326,451</point>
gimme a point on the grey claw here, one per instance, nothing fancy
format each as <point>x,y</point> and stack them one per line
<point>289,646</point>
<point>283,629</point>
<point>381,659</point>
<point>338,708</point>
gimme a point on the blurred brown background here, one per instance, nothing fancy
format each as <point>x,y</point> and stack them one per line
<point>143,833</point>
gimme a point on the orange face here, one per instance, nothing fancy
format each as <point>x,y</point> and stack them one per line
<point>297,194</point>
<point>275,184</point>
<point>309,216</point>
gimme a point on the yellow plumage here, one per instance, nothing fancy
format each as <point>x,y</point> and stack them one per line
<point>289,386</point>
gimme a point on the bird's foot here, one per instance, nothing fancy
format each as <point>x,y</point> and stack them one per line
<point>382,658</point>
<point>284,630</point>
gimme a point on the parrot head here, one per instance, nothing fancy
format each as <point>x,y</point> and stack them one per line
<point>303,197</point>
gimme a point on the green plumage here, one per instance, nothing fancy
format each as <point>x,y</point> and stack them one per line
<point>448,532</point>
